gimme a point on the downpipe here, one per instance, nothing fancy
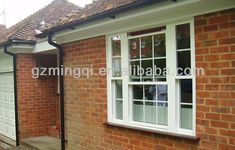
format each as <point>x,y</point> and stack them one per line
<point>61,78</point>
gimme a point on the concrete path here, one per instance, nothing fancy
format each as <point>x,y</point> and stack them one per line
<point>41,143</point>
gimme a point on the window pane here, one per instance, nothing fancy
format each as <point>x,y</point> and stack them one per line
<point>147,66</point>
<point>160,45</point>
<point>184,61</point>
<point>116,46</point>
<point>134,46</point>
<point>138,92</point>
<point>162,93</point>
<point>160,69</point>
<point>116,67</point>
<point>186,114</point>
<point>162,114</point>
<point>119,89</point>
<point>135,76</point>
<point>183,36</point>
<point>186,91</point>
<point>150,112</point>
<point>119,109</point>
<point>150,92</point>
<point>138,108</point>
<point>146,47</point>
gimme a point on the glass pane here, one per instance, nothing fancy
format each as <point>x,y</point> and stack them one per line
<point>135,65</point>
<point>116,46</point>
<point>138,92</point>
<point>146,47</point>
<point>160,45</point>
<point>160,69</point>
<point>134,46</point>
<point>150,112</point>
<point>119,89</point>
<point>162,93</point>
<point>186,117</point>
<point>116,67</point>
<point>184,61</point>
<point>183,36</point>
<point>119,109</point>
<point>150,92</point>
<point>138,108</point>
<point>162,114</point>
<point>147,66</point>
<point>186,90</point>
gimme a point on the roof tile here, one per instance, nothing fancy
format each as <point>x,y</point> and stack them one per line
<point>25,29</point>
<point>95,8</point>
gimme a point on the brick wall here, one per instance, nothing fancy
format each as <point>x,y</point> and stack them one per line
<point>215,51</point>
<point>86,102</point>
<point>37,98</point>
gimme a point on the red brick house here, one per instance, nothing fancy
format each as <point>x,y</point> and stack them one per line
<point>144,112</point>
<point>118,111</point>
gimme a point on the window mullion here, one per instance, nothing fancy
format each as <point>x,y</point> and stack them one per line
<point>171,66</point>
<point>125,76</point>
<point>193,66</point>
<point>109,82</point>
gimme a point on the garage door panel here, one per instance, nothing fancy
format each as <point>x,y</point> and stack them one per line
<point>7,107</point>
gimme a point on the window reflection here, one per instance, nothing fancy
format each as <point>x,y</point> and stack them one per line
<point>183,36</point>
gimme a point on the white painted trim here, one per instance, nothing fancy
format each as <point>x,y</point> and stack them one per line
<point>147,34</point>
<point>17,49</point>
<point>193,64</point>
<point>171,64</point>
<point>125,77</point>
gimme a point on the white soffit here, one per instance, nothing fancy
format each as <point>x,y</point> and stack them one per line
<point>43,46</point>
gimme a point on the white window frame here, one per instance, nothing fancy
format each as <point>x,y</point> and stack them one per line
<point>173,103</point>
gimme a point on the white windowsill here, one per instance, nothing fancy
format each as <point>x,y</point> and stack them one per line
<point>168,133</point>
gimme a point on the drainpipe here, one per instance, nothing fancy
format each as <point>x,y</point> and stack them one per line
<point>61,78</point>
<point>15,93</point>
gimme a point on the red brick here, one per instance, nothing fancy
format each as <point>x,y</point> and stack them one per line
<point>212,58</point>
<point>228,72</point>
<point>212,116</point>
<point>227,41</point>
<point>200,22</point>
<point>226,147</point>
<point>219,124</point>
<point>212,87</point>
<point>220,64</point>
<point>218,19</point>
<point>210,28</point>
<point>219,49</point>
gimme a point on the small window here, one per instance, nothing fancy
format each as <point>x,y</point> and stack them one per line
<point>186,103</point>
<point>116,56</point>
<point>183,47</point>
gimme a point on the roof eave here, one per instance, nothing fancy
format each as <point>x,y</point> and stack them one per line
<point>17,41</point>
<point>111,13</point>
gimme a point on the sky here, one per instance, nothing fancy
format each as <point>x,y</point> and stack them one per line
<point>17,10</point>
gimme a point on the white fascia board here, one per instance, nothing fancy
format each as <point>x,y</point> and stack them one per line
<point>148,17</point>
<point>43,46</point>
<point>21,48</point>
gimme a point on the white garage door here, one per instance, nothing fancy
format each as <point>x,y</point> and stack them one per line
<point>7,106</point>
